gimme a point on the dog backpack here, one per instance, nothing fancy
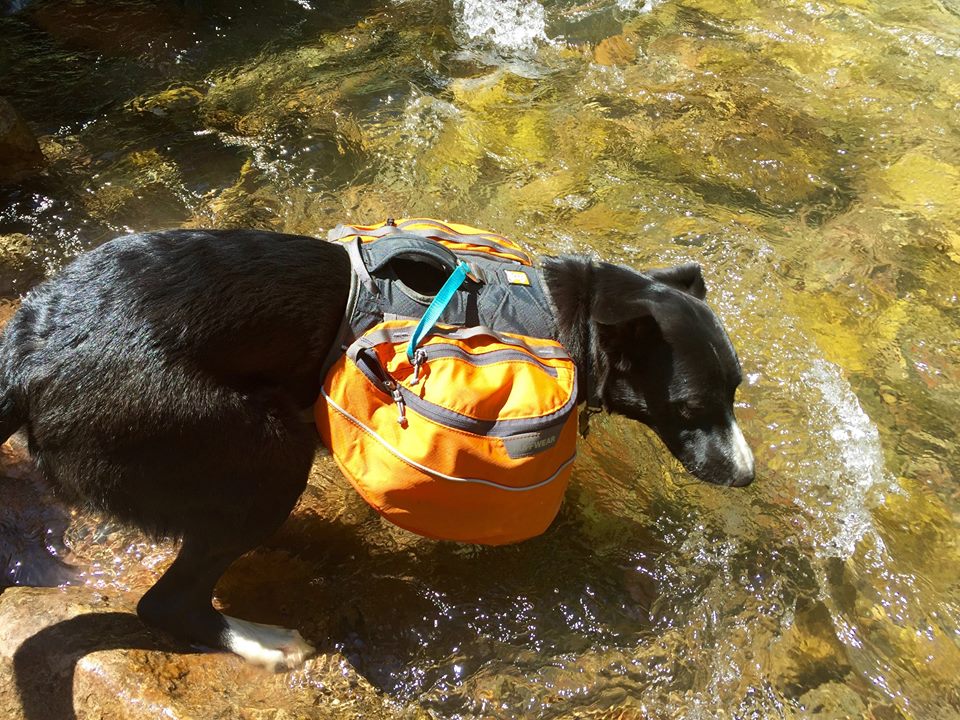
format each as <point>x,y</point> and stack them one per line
<point>445,403</point>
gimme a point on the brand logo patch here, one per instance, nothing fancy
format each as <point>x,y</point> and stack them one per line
<point>517,277</point>
<point>520,446</point>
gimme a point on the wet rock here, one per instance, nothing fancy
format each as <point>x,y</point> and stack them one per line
<point>921,183</point>
<point>493,126</point>
<point>689,52</point>
<point>20,266</point>
<point>144,188</point>
<point>369,203</point>
<point>171,101</point>
<point>809,653</point>
<point>304,82</point>
<point>20,155</point>
<point>257,100</point>
<point>736,146</point>
<point>79,652</point>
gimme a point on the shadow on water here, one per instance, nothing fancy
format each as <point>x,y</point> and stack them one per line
<point>411,616</point>
<point>92,56</point>
<point>32,524</point>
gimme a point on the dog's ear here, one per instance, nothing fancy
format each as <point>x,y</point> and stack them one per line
<point>687,278</point>
<point>621,295</point>
<point>619,310</point>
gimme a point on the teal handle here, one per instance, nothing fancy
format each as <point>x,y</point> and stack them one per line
<point>436,308</point>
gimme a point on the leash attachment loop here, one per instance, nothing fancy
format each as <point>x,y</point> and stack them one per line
<point>436,307</point>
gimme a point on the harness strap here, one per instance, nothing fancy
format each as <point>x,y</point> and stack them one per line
<point>359,267</point>
<point>436,307</point>
<point>434,230</point>
<point>594,362</point>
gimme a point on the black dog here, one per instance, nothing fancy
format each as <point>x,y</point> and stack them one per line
<point>162,378</point>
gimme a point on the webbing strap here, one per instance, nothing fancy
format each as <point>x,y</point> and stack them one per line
<point>594,362</point>
<point>360,267</point>
<point>436,308</point>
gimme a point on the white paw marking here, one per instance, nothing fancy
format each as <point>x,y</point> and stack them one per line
<point>268,646</point>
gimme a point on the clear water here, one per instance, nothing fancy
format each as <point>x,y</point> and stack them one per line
<point>806,153</point>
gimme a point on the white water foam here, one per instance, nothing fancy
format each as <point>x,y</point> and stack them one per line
<point>639,6</point>
<point>831,455</point>
<point>513,25</point>
<point>859,469</point>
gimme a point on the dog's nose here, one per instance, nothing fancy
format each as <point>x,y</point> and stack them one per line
<point>742,479</point>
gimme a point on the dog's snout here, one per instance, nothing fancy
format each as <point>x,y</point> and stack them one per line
<point>743,465</point>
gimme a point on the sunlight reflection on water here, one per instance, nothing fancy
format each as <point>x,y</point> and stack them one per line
<point>805,154</point>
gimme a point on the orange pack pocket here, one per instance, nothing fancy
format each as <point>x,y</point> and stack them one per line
<point>473,441</point>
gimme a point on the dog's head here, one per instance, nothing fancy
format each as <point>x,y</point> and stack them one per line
<point>671,366</point>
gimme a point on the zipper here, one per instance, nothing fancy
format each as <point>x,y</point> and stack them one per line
<point>435,352</point>
<point>369,365</point>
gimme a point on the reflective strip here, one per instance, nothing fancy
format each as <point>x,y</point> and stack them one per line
<point>435,473</point>
<point>555,352</point>
<point>447,229</point>
<point>437,352</point>
<point>400,334</point>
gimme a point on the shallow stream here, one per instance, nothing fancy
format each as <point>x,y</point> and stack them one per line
<point>806,153</point>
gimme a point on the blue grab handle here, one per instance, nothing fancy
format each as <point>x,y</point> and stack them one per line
<point>435,308</point>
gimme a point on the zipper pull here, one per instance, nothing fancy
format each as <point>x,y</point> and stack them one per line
<point>401,407</point>
<point>419,357</point>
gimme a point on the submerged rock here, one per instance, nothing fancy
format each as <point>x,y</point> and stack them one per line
<point>20,155</point>
<point>20,268</point>
<point>616,50</point>
<point>142,188</point>
<point>736,146</point>
<point>248,203</point>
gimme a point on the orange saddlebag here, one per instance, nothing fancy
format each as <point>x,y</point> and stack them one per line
<point>472,441</point>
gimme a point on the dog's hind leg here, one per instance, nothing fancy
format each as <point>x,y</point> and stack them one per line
<point>180,604</point>
<point>249,495</point>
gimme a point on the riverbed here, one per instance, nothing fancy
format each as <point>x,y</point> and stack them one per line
<point>807,154</point>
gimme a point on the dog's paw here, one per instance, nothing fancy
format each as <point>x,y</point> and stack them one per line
<point>267,646</point>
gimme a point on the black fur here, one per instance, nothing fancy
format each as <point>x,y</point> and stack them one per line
<point>161,379</point>
<point>660,355</point>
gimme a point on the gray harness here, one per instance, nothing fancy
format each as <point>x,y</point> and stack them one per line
<point>501,294</point>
